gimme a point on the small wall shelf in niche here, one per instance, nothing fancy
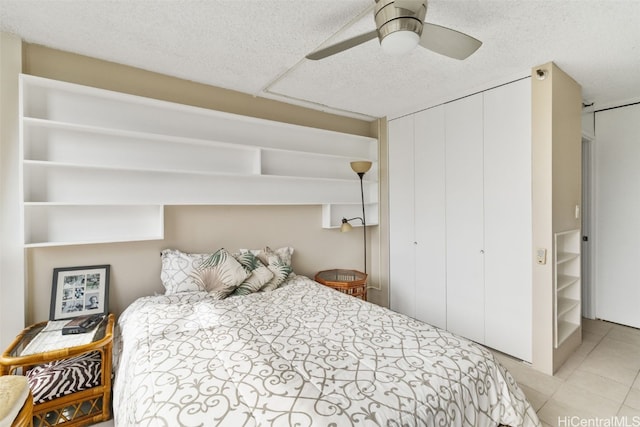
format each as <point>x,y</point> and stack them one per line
<point>110,161</point>
<point>567,285</point>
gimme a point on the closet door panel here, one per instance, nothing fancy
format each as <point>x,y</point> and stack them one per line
<point>402,266</point>
<point>429,166</point>
<point>507,218</point>
<point>617,201</point>
<point>464,217</point>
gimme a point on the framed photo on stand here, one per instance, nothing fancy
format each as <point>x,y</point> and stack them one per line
<point>79,291</point>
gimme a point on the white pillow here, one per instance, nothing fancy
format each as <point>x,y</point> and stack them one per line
<point>177,267</point>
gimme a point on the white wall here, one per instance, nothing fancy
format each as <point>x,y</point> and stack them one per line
<point>617,210</point>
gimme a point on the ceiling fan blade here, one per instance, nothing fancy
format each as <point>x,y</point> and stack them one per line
<point>448,42</point>
<point>412,5</point>
<point>343,45</point>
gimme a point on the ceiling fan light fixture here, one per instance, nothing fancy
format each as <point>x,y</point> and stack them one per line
<point>400,27</point>
<point>399,42</point>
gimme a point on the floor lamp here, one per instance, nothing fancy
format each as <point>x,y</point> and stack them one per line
<point>360,168</point>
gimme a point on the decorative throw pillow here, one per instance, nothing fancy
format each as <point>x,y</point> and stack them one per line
<point>259,274</point>
<point>285,253</point>
<point>220,274</point>
<point>176,271</point>
<point>277,266</point>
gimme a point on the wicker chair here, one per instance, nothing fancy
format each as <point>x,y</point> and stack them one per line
<point>16,402</point>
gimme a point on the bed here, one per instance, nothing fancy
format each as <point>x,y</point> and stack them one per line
<point>305,355</point>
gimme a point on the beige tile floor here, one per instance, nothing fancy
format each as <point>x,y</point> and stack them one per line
<point>598,386</point>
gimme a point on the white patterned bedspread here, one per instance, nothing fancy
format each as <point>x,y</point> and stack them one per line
<point>302,355</point>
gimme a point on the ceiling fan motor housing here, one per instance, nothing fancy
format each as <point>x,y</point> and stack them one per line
<point>390,18</point>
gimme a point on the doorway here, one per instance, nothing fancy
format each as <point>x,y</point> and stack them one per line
<point>588,291</point>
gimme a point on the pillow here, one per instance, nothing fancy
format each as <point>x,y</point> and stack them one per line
<point>277,266</point>
<point>284,253</point>
<point>176,271</point>
<point>220,274</point>
<point>259,274</point>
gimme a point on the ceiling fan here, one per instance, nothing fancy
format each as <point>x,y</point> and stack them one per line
<point>400,27</point>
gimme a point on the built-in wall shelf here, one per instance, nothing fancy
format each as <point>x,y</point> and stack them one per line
<point>99,166</point>
<point>567,285</point>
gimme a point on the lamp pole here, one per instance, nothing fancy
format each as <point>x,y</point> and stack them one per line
<point>362,167</point>
<point>364,221</point>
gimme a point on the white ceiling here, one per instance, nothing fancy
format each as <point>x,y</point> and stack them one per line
<point>259,46</point>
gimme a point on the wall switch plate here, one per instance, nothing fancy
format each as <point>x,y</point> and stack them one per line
<point>541,256</point>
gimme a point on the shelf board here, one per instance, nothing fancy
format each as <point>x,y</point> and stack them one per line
<point>563,257</point>
<point>564,281</point>
<point>74,127</point>
<point>93,241</point>
<point>47,164</point>
<point>565,329</point>
<point>565,305</point>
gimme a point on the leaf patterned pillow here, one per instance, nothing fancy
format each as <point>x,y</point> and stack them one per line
<point>220,274</point>
<point>259,274</point>
<point>277,266</point>
<point>177,267</point>
<point>285,253</point>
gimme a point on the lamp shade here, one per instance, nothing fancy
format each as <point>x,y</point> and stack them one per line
<point>345,227</point>
<point>361,166</point>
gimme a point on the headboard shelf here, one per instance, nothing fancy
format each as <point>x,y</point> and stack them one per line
<point>110,161</point>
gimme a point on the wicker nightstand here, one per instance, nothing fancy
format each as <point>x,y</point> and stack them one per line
<point>89,404</point>
<point>350,282</point>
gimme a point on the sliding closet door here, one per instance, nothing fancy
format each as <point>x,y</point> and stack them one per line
<point>402,265</point>
<point>617,224</point>
<point>507,218</point>
<point>464,217</point>
<point>429,171</point>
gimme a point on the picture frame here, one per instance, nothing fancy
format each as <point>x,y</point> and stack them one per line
<point>79,291</point>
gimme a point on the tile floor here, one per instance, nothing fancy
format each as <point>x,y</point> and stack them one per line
<point>598,386</point>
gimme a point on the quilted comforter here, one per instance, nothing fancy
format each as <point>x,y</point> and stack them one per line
<point>301,355</point>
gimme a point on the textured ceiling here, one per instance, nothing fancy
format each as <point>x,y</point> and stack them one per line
<point>259,46</point>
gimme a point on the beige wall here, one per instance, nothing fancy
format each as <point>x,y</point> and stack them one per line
<point>556,157</point>
<point>135,266</point>
<point>12,295</point>
<point>567,173</point>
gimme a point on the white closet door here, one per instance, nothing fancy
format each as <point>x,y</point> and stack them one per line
<point>617,225</point>
<point>402,265</point>
<point>507,218</point>
<point>464,207</point>
<point>429,148</point>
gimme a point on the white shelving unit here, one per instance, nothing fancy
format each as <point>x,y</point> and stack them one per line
<point>99,166</point>
<point>567,285</point>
